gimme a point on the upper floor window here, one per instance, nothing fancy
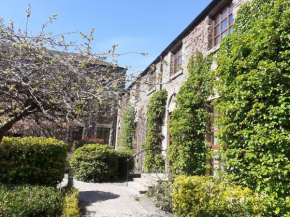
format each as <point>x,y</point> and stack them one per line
<point>223,24</point>
<point>176,60</point>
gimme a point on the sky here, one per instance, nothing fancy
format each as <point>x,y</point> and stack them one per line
<point>142,26</point>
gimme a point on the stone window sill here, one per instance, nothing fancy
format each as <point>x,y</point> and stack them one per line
<point>213,50</point>
<point>172,77</point>
<point>151,91</point>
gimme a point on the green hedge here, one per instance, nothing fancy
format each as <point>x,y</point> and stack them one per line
<point>208,196</point>
<point>26,200</point>
<point>80,143</point>
<point>32,160</point>
<point>71,201</point>
<point>122,163</point>
<point>95,163</point>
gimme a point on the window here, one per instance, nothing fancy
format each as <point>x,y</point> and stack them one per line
<point>103,133</point>
<point>176,60</point>
<point>214,143</point>
<point>223,24</point>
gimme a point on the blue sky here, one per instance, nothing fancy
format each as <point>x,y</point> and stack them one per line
<point>135,25</point>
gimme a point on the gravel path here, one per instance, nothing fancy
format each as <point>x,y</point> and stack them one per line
<point>114,200</point>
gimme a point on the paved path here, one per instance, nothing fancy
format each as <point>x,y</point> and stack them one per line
<point>114,200</point>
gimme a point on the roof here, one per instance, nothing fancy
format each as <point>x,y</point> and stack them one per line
<point>184,33</point>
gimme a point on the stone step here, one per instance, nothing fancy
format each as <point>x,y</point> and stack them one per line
<point>154,176</point>
<point>138,188</point>
<point>145,182</point>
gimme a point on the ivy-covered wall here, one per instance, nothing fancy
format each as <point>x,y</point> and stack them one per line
<point>187,153</point>
<point>254,89</point>
<point>154,161</point>
<point>129,126</point>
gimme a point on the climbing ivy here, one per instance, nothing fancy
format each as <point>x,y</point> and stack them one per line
<point>187,153</point>
<point>129,126</point>
<point>254,89</point>
<point>155,120</point>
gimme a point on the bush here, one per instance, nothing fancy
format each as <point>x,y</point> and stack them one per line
<point>162,195</point>
<point>122,163</point>
<point>80,143</point>
<point>208,196</point>
<point>95,163</point>
<point>32,160</point>
<point>71,201</point>
<point>26,200</point>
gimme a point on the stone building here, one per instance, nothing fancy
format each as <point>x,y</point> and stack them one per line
<point>169,70</point>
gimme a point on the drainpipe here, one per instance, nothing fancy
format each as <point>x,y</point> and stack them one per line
<point>161,71</point>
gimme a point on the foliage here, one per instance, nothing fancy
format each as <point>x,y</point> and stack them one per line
<point>187,153</point>
<point>208,196</point>
<point>80,143</point>
<point>40,76</point>
<point>71,201</point>
<point>123,156</point>
<point>128,130</point>
<point>26,200</point>
<point>32,160</point>
<point>162,195</point>
<point>155,119</point>
<point>254,89</point>
<point>95,163</point>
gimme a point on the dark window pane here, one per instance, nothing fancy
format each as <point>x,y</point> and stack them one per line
<point>231,19</point>
<point>231,30</point>
<point>216,30</point>
<point>224,24</point>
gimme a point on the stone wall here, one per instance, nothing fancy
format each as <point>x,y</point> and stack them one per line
<point>197,39</point>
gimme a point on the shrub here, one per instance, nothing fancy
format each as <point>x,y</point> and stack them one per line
<point>26,200</point>
<point>122,163</point>
<point>71,201</point>
<point>32,160</point>
<point>208,196</point>
<point>95,163</point>
<point>80,143</point>
<point>162,195</point>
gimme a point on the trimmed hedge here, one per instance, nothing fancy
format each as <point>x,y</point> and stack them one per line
<point>71,201</point>
<point>95,163</point>
<point>209,196</point>
<point>122,163</point>
<point>32,160</point>
<point>26,200</point>
<point>80,143</point>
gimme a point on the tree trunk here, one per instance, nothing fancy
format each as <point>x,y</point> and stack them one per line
<point>7,125</point>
